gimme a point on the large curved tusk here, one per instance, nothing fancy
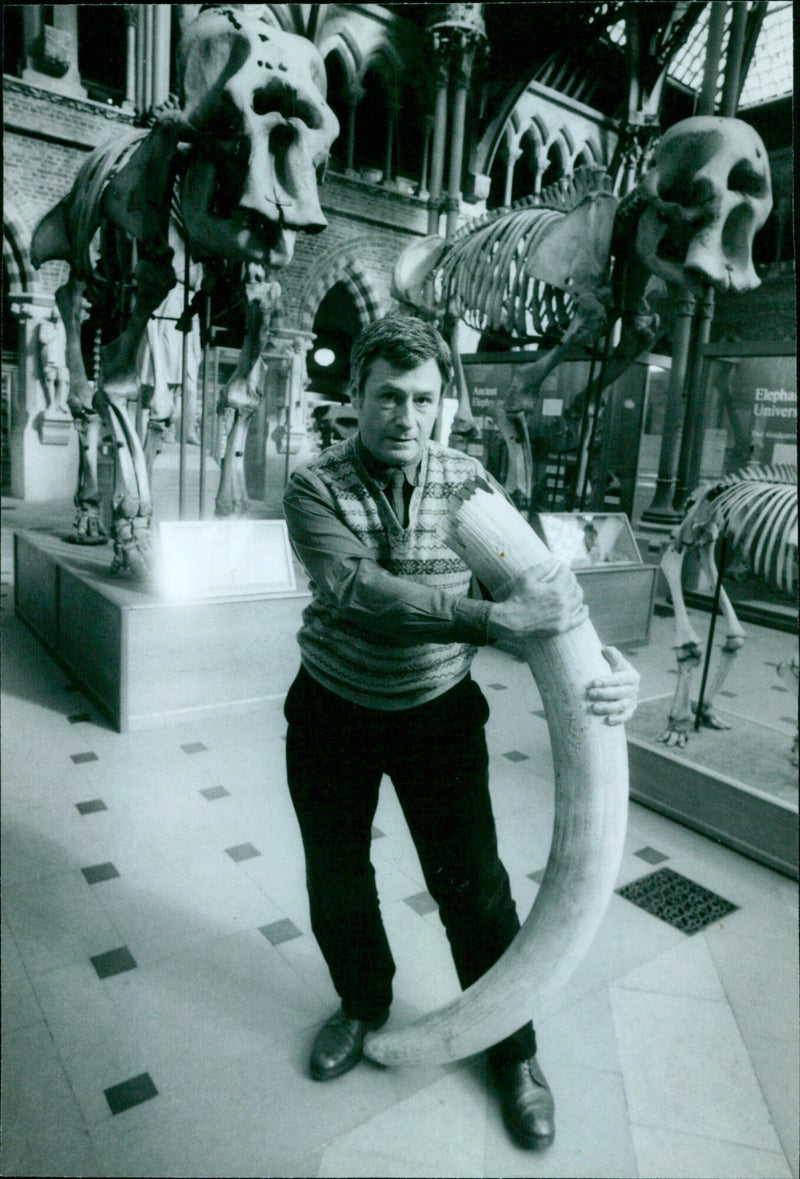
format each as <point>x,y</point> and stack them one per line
<point>591,789</point>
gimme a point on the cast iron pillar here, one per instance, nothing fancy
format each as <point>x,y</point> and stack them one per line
<point>458,34</point>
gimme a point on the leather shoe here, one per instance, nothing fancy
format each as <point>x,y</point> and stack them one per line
<point>339,1044</point>
<point>528,1105</point>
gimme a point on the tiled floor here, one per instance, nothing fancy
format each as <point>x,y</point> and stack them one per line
<point>161,986</point>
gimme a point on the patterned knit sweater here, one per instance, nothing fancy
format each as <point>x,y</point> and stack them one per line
<point>372,669</point>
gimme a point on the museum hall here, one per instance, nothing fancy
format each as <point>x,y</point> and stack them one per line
<point>389,391</point>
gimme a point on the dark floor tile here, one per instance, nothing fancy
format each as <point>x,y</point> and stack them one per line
<point>213,792</point>
<point>539,712</point>
<point>242,851</point>
<point>789,720</point>
<point>538,875</point>
<point>280,931</point>
<point>725,692</point>
<point>97,873</point>
<point>113,962</point>
<point>651,856</point>
<point>130,1093</point>
<point>78,718</point>
<point>377,833</point>
<point>194,747</point>
<point>422,903</point>
<point>778,688</point>
<point>79,758</point>
<point>677,900</point>
<point>91,807</point>
<point>498,687</point>
<point>515,755</point>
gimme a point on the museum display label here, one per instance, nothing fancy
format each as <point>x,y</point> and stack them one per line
<point>213,558</point>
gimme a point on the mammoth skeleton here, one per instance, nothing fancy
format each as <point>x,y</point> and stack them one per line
<point>569,262</point>
<point>235,168</point>
<point>563,262</point>
<point>755,510</point>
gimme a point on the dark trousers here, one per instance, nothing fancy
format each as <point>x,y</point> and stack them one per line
<point>436,756</point>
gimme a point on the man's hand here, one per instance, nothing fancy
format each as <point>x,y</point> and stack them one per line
<point>545,600</point>
<point>614,696</point>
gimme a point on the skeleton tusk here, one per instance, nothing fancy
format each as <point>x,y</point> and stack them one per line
<point>591,772</point>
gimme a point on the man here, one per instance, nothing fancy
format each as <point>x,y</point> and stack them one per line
<point>385,687</point>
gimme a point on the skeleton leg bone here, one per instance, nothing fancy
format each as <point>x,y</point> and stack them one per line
<point>244,390</point>
<point>688,648</point>
<point>88,527</point>
<point>734,641</point>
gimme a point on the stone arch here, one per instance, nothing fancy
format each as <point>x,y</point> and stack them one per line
<point>342,44</point>
<point>341,267</point>
<point>386,62</point>
<point>22,278</point>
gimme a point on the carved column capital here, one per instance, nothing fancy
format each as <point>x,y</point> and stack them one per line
<point>353,94</point>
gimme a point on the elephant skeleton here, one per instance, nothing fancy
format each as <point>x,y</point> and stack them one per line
<point>236,168</point>
<point>569,262</point>
<point>545,266</point>
<point>756,510</point>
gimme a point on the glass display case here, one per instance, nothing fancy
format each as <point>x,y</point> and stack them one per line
<point>618,587</point>
<point>555,423</point>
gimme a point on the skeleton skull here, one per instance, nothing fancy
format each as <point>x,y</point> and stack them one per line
<point>254,100</point>
<point>711,192</point>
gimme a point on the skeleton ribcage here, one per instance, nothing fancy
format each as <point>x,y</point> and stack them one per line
<point>756,508</point>
<point>485,278</point>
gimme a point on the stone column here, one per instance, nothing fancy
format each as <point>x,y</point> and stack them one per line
<point>162,51</point>
<point>131,18</point>
<point>513,155</point>
<point>391,121</point>
<point>426,152</point>
<point>352,97</point>
<point>542,164</point>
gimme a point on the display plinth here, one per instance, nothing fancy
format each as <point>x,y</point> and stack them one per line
<point>737,786</point>
<point>145,662</point>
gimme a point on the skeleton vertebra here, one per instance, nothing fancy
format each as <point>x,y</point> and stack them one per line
<point>756,509</point>
<point>242,158</point>
<point>568,262</point>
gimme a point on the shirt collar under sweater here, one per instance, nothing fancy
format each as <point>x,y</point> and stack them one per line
<point>382,472</point>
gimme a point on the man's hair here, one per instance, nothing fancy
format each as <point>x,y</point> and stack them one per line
<point>403,342</point>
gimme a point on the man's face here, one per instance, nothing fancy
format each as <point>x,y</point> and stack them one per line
<point>397,410</point>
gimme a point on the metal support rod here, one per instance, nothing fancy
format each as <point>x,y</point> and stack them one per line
<point>439,136</point>
<point>463,73</point>
<point>204,408</point>
<point>582,434</point>
<point>289,396</point>
<point>598,398</point>
<point>712,627</point>
<point>184,366</point>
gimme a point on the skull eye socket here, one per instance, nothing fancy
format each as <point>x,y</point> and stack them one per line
<point>687,191</point>
<point>278,98</point>
<point>744,178</point>
<point>226,122</point>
